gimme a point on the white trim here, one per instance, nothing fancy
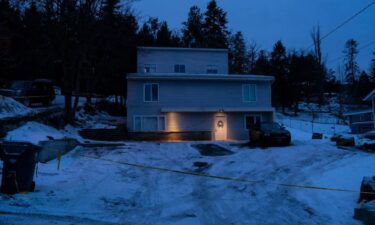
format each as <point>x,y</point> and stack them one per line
<point>150,116</point>
<point>217,109</point>
<point>144,92</point>
<point>255,90</point>
<point>184,76</point>
<point>254,115</point>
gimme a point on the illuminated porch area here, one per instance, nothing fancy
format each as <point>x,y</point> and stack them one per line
<point>224,124</point>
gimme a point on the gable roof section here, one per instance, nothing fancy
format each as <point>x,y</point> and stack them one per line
<point>224,77</point>
<point>370,96</point>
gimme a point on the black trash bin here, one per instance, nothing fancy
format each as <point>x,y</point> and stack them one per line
<point>19,161</point>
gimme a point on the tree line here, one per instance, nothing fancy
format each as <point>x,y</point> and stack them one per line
<point>87,46</point>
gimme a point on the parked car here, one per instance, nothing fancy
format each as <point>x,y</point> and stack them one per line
<point>266,134</point>
<point>29,92</point>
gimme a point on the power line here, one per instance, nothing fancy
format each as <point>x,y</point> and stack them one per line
<point>363,47</point>
<point>345,22</point>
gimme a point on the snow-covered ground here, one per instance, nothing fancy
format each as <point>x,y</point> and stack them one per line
<point>325,123</point>
<point>11,108</point>
<point>90,191</point>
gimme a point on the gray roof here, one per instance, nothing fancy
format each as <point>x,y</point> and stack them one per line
<point>179,76</point>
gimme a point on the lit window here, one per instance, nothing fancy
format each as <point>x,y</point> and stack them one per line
<point>151,92</point>
<point>250,121</point>
<point>150,68</point>
<point>249,93</point>
<point>212,69</point>
<point>179,68</point>
<point>149,123</point>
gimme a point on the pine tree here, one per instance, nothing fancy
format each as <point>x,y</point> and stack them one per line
<point>32,42</point>
<point>192,30</point>
<point>372,72</point>
<point>215,27</point>
<point>252,53</point>
<point>279,65</point>
<point>164,36</point>
<point>351,66</point>
<point>145,36</point>
<point>237,54</point>
<point>262,64</point>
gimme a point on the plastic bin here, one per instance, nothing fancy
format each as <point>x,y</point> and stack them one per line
<point>19,161</point>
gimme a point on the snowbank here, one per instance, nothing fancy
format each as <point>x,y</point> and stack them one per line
<point>11,108</point>
<point>35,132</point>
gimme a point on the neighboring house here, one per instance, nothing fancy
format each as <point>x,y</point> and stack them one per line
<point>190,90</point>
<point>371,97</point>
<point>361,121</point>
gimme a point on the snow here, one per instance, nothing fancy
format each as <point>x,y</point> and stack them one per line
<point>303,123</point>
<point>91,191</point>
<point>11,108</point>
<point>34,132</point>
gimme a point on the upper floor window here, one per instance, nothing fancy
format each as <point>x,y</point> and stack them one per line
<point>249,93</point>
<point>150,68</point>
<point>179,68</point>
<point>151,92</point>
<point>212,69</point>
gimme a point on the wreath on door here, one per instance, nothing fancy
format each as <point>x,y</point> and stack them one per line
<point>220,124</point>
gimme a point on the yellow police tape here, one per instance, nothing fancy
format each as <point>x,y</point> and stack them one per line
<point>226,178</point>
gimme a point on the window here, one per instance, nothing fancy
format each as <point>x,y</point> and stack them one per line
<point>251,120</point>
<point>150,68</point>
<point>179,68</point>
<point>249,93</point>
<point>212,69</point>
<point>151,92</point>
<point>149,123</point>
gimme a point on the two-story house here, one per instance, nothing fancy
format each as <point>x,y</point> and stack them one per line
<point>190,90</point>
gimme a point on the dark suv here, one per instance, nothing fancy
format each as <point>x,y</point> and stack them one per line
<point>267,134</point>
<point>29,92</point>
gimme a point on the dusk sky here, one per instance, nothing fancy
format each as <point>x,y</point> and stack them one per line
<point>266,21</point>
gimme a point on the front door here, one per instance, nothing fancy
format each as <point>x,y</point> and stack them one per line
<point>220,128</point>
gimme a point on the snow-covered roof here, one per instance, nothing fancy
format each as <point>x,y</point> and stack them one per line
<point>178,76</point>
<point>217,109</point>
<point>358,112</point>
<point>370,96</point>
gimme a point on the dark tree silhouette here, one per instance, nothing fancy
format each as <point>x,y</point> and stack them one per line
<point>351,66</point>
<point>237,54</point>
<point>192,30</point>
<point>279,67</point>
<point>215,27</point>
